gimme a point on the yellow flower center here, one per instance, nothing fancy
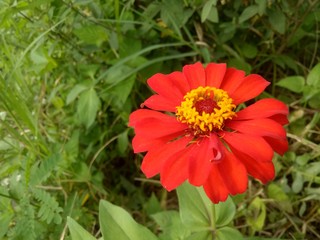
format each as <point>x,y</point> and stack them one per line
<point>205,109</point>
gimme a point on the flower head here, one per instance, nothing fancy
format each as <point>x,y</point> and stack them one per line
<point>193,131</point>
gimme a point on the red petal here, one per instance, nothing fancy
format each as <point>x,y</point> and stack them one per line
<point>263,108</point>
<point>200,162</point>
<point>143,114</point>
<point>161,83</point>
<point>264,171</point>
<point>281,119</point>
<point>280,146</point>
<point>232,79</point>
<point>215,187</point>
<point>258,127</point>
<point>141,143</point>
<point>176,169</point>
<point>215,73</point>
<point>180,81</point>
<point>250,87</point>
<point>155,128</point>
<point>160,103</point>
<point>154,160</point>
<point>234,173</point>
<point>195,75</point>
<point>255,147</point>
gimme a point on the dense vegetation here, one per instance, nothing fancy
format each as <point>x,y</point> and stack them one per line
<point>72,72</point>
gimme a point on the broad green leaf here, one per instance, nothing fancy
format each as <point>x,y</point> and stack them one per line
<point>207,9</point>
<point>77,232</point>
<point>249,50</point>
<point>276,192</point>
<point>82,172</point>
<point>225,212</point>
<point>277,20</point>
<point>195,207</point>
<point>121,91</point>
<point>203,235</point>
<point>302,209</point>
<point>171,226</point>
<point>248,13</point>
<point>228,233</point>
<point>92,34</point>
<point>262,4</point>
<point>313,78</point>
<point>293,83</point>
<point>240,64</point>
<point>122,142</point>
<point>256,214</point>
<point>152,206</point>
<point>314,101</point>
<point>213,15</point>
<point>116,223</point>
<point>303,159</point>
<point>75,91</point>
<point>261,238</point>
<point>88,106</point>
<point>298,182</point>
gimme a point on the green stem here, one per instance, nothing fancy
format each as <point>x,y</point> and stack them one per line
<point>213,219</point>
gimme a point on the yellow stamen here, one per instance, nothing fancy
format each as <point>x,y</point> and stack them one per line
<point>205,109</point>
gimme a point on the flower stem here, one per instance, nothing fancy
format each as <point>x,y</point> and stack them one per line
<point>213,218</point>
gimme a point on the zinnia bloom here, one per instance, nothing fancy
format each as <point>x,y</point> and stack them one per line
<point>194,131</point>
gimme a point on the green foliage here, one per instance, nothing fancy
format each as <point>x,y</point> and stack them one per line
<point>117,223</point>
<point>49,209</point>
<point>71,72</point>
<point>78,232</point>
<point>199,214</point>
<point>198,219</point>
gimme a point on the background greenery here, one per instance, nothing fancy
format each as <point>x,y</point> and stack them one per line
<point>72,72</point>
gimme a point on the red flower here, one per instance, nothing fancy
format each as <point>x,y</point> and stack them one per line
<point>193,131</point>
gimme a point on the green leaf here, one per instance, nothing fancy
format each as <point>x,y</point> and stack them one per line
<point>174,15</point>
<point>207,9</point>
<point>203,235</point>
<point>171,225</point>
<point>5,220</point>
<point>82,172</point>
<point>121,91</point>
<point>256,214</point>
<point>225,212</point>
<point>77,232</point>
<point>248,13</point>
<point>314,101</point>
<point>262,4</point>
<point>74,93</point>
<point>228,233</point>
<point>298,182</point>
<point>116,223</point>
<point>249,50</point>
<point>277,20</point>
<point>261,238</point>
<point>195,207</point>
<point>92,34</point>
<point>213,15</point>
<point>313,78</point>
<point>153,205</point>
<point>276,192</point>
<point>240,64</point>
<point>293,83</point>
<point>122,142</point>
<point>88,106</point>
